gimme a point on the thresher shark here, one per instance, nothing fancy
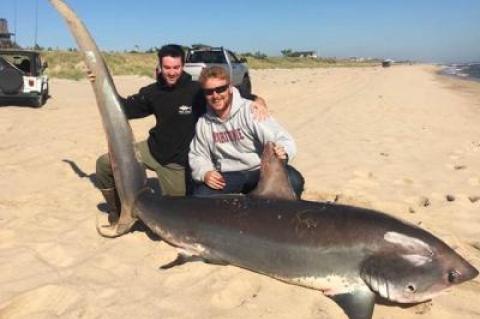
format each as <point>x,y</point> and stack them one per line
<point>353,255</point>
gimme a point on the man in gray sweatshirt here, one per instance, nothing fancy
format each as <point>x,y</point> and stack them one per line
<point>225,152</point>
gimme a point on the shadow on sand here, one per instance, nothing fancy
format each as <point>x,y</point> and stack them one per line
<point>103,207</point>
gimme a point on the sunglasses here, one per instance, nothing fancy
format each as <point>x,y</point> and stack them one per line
<point>218,89</point>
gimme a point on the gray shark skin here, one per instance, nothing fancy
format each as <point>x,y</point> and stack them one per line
<point>348,253</point>
<point>351,254</point>
<point>273,181</point>
<point>128,172</point>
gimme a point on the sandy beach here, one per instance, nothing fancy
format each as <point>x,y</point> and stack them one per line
<point>402,140</point>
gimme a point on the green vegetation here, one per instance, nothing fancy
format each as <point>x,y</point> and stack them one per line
<point>292,63</point>
<point>256,55</point>
<point>69,64</point>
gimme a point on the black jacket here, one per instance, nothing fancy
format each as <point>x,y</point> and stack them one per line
<point>176,110</point>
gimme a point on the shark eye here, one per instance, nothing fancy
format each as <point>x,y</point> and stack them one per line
<point>411,288</point>
<point>453,276</point>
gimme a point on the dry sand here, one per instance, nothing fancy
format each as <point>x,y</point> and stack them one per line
<point>398,140</point>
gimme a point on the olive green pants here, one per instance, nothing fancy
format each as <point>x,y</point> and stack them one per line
<point>171,177</point>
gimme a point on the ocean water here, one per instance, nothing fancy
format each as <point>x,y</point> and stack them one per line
<point>470,71</point>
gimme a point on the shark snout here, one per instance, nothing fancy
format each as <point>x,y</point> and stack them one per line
<point>461,272</point>
<point>469,272</point>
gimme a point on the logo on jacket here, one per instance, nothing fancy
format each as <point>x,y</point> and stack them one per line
<point>184,110</point>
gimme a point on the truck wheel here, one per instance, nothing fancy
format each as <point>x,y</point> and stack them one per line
<point>246,86</point>
<point>46,96</point>
<point>11,81</point>
<point>39,101</point>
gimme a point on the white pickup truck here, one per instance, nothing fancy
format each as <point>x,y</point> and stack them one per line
<point>199,58</point>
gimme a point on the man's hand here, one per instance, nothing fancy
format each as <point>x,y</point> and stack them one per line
<point>280,152</point>
<point>214,179</point>
<point>259,109</point>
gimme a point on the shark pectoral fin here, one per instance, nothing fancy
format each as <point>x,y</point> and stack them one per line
<point>357,304</point>
<point>181,259</point>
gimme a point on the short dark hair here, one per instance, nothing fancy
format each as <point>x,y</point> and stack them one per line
<point>172,50</point>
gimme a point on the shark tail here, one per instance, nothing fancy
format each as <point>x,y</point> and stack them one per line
<point>128,171</point>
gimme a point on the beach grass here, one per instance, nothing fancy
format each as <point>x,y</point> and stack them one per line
<point>69,64</point>
<point>298,62</point>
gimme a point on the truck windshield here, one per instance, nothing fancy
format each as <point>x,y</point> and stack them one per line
<point>206,57</point>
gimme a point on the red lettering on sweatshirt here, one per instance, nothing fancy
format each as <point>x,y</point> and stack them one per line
<point>227,136</point>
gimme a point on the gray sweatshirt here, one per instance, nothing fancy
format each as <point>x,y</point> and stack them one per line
<point>234,144</point>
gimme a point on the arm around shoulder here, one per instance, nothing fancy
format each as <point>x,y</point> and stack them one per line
<point>270,130</point>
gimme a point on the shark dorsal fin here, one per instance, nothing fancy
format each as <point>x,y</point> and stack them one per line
<point>274,181</point>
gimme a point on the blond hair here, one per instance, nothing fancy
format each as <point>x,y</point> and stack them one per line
<point>216,72</point>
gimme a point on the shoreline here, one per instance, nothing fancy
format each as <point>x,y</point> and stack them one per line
<point>469,86</point>
<point>446,70</point>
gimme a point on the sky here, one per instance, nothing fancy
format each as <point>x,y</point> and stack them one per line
<point>443,31</point>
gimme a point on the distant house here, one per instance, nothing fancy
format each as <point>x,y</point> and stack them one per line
<point>5,36</point>
<point>357,59</point>
<point>304,54</point>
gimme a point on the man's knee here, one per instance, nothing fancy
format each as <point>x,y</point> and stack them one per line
<point>103,164</point>
<point>104,174</point>
<point>177,189</point>
<point>296,180</point>
<point>171,178</point>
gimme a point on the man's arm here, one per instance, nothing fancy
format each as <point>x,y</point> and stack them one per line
<point>199,156</point>
<point>270,130</point>
<point>137,105</point>
<point>259,106</point>
<point>134,106</point>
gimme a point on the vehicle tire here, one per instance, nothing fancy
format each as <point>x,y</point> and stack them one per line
<point>246,86</point>
<point>11,81</point>
<point>46,96</point>
<point>38,101</point>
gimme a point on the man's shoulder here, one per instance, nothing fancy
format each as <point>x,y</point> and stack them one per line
<point>245,108</point>
<point>203,119</point>
<point>192,85</point>
<point>148,89</point>
<point>202,124</point>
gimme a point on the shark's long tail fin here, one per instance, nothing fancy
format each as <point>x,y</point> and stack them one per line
<point>129,174</point>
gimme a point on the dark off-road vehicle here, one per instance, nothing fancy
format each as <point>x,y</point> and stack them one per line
<point>22,78</point>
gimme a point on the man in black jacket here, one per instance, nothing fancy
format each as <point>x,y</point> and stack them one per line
<point>176,102</point>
